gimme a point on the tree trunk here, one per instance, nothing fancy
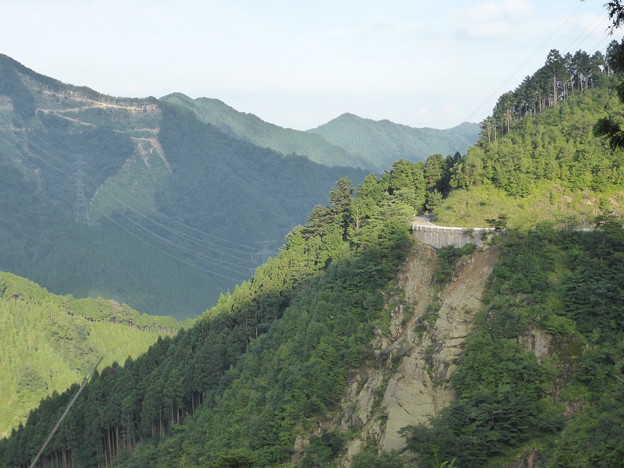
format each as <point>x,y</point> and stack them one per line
<point>554,90</point>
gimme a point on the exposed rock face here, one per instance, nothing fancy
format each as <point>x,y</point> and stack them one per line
<point>528,459</point>
<point>537,341</point>
<point>419,354</point>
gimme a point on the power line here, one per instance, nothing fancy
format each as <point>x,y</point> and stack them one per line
<point>202,243</point>
<point>244,253</point>
<point>497,91</point>
<point>210,259</point>
<point>186,250</point>
<point>209,245</point>
<point>81,208</point>
<point>58,423</point>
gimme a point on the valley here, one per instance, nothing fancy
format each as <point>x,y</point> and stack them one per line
<point>329,329</point>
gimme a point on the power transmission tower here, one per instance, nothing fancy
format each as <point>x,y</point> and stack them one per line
<point>264,253</point>
<point>81,207</point>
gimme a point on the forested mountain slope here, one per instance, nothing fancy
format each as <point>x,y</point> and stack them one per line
<point>313,362</point>
<point>49,342</point>
<point>541,375</point>
<point>384,142</point>
<point>542,163</point>
<point>345,141</point>
<point>549,164</point>
<point>354,347</point>
<point>312,306</point>
<point>136,199</point>
<point>286,141</point>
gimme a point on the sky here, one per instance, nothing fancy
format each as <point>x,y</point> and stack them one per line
<point>301,63</point>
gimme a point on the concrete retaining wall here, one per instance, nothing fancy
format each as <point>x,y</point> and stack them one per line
<point>439,236</point>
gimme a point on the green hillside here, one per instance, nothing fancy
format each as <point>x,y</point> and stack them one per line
<point>384,142</point>
<point>286,141</point>
<point>312,306</point>
<point>357,345</point>
<point>49,342</point>
<point>538,156</point>
<point>261,379</point>
<point>549,165</point>
<point>113,197</point>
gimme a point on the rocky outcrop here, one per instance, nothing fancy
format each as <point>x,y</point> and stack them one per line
<point>418,354</point>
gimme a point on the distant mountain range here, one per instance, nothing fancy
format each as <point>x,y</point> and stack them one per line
<point>162,204</point>
<point>251,128</point>
<point>384,142</point>
<point>357,345</point>
<point>348,140</point>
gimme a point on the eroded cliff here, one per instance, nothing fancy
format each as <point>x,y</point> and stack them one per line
<point>417,354</point>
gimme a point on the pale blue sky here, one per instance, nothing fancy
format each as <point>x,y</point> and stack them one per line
<point>300,63</point>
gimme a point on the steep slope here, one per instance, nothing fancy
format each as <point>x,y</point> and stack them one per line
<point>286,141</point>
<point>106,196</point>
<point>410,382</point>
<point>351,343</point>
<point>384,142</point>
<point>535,384</point>
<point>548,165</point>
<point>313,306</point>
<point>49,342</point>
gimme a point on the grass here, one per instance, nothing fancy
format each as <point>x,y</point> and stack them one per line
<point>471,208</point>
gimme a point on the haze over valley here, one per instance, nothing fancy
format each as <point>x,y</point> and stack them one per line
<point>186,283</point>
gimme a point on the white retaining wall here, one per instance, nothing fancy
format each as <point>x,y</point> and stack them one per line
<point>440,236</point>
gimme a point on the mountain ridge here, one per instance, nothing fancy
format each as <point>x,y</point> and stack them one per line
<point>516,345</point>
<point>322,145</point>
<point>253,129</point>
<point>384,142</point>
<point>52,135</point>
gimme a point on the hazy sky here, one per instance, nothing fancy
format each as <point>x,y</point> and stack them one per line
<point>301,63</point>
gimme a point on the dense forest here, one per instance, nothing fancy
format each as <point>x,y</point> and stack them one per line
<point>546,163</point>
<point>259,379</point>
<point>555,146</point>
<point>49,342</point>
<point>306,317</point>
<point>563,406</point>
<point>559,78</point>
<point>138,200</point>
